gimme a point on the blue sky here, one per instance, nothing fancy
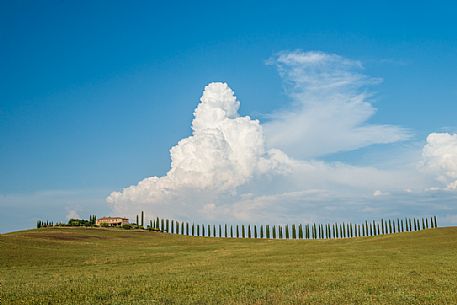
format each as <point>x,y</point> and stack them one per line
<point>93,94</point>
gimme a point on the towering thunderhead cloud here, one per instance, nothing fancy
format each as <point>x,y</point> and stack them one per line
<point>223,152</point>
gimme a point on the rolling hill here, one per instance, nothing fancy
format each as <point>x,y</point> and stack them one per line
<point>109,266</point>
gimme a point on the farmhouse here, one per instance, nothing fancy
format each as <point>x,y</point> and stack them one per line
<point>112,221</point>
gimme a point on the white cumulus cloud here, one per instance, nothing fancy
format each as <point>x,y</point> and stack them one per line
<point>224,151</point>
<point>440,157</point>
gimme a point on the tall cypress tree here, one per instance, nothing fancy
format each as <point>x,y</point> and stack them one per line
<point>274,232</point>
<point>142,219</point>
<point>203,230</point>
<point>267,231</point>
<point>237,231</point>
<point>434,218</point>
<point>231,231</point>
<point>137,221</point>
<point>300,231</point>
<point>287,231</point>
<point>220,230</point>
<point>243,232</point>
<point>249,231</point>
<point>261,231</point>
<point>226,231</point>
<point>255,231</point>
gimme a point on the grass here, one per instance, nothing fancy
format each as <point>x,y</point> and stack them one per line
<point>102,266</point>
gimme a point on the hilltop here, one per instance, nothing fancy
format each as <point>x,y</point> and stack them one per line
<point>108,266</point>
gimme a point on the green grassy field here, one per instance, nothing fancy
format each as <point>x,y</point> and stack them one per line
<point>101,266</point>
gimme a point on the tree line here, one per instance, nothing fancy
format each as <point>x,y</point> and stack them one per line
<point>294,231</point>
<point>71,223</point>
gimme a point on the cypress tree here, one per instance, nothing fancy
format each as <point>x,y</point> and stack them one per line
<point>294,232</point>
<point>182,228</point>
<point>142,219</point>
<point>150,224</point>
<point>274,232</point>
<point>231,231</point>
<point>261,231</point>
<point>242,231</point>
<point>300,231</point>
<point>249,231</point>
<point>287,231</point>
<point>434,218</point>
<point>209,231</point>
<point>220,230</point>
<point>255,231</point>
<point>374,228</point>
<point>280,231</point>
<point>193,229</point>
<point>423,224</point>
<point>167,229</point>
<point>401,225</point>
<point>426,222</point>
<point>203,230</point>
<point>214,230</point>
<point>198,230</point>
<point>162,225</point>
<point>137,221</point>
<point>157,223</point>
<point>226,231</point>
<point>267,231</point>
<point>237,232</point>
<point>410,227</point>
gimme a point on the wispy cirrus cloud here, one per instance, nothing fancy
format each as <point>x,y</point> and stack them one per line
<point>330,107</point>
